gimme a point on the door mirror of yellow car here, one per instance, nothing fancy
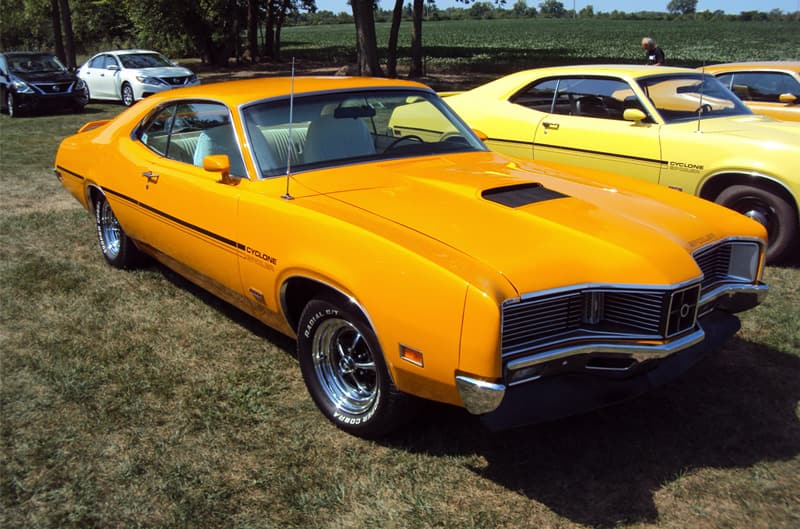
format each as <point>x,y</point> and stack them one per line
<point>787,98</point>
<point>219,163</point>
<point>633,114</point>
<point>480,134</point>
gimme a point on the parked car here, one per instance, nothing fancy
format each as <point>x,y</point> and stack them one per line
<point>411,261</point>
<point>130,75</point>
<point>771,88</point>
<point>674,126</point>
<point>32,81</point>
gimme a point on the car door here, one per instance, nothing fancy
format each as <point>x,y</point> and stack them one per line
<point>190,214</point>
<point>585,127</point>
<point>761,92</point>
<point>99,78</point>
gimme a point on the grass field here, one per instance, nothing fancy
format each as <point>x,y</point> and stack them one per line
<point>133,399</point>
<point>503,45</point>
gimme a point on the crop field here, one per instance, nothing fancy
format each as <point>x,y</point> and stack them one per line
<point>133,399</point>
<point>503,45</point>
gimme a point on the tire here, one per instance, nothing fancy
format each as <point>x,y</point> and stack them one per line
<point>345,373</point>
<point>11,106</point>
<point>769,209</point>
<point>117,248</point>
<point>127,95</point>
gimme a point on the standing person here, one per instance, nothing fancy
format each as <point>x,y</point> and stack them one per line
<point>653,54</point>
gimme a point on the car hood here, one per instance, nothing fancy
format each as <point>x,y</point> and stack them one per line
<point>45,77</point>
<point>754,127</point>
<point>562,230</point>
<point>162,71</point>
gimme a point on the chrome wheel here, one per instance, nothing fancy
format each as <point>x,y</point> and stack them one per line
<point>108,231</point>
<point>345,366</point>
<point>127,95</point>
<point>10,105</point>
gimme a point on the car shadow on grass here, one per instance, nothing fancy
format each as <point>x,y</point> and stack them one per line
<point>735,409</point>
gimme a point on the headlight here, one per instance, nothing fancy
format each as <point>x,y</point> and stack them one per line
<point>192,78</point>
<point>744,261</point>
<point>22,87</point>
<point>150,80</point>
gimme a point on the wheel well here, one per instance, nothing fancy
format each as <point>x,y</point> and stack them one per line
<point>714,186</point>
<point>298,291</point>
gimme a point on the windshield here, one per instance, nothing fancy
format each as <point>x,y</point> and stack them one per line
<point>143,60</point>
<point>347,127</point>
<point>33,63</point>
<point>691,96</point>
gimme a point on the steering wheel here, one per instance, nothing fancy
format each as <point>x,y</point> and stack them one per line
<point>410,137</point>
<point>705,108</point>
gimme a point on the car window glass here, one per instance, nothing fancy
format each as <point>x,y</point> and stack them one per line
<point>594,97</point>
<point>98,62</point>
<point>538,96</point>
<point>682,97</point>
<point>351,127</point>
<point>143,60</point>
<point>761,86</point>
<point>189,131</point>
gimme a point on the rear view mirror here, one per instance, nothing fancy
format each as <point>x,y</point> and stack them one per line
<point>633,114</point>
<point>219,163</point>
<point>787,98</point>
<point>112,67</point>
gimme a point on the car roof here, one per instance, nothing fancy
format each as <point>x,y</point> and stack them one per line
<point>239,92</point>
<point>632,70</point>
<point>125,52</point>
<point>793,66</point>
<point>21,53</point>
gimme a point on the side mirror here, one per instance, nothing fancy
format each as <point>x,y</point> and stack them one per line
<point>112,67</point>
<point>633,114</point>
<point>789,99</point>
<point>480,134</point>
<point>219,163</point>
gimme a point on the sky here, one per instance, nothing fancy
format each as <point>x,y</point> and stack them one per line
<point>729,6</point>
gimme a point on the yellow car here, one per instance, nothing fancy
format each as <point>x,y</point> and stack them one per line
<point>676,127</point>
<point>771,88</point>
<point>414,263</point>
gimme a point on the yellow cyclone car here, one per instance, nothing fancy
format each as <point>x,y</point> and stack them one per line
<point>411,261</point>
<point>771,88</point>
<point>673,126</point>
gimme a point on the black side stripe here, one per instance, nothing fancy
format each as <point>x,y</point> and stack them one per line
<point>176,220</point>
<point>64,169</point>
<point>584,151</point>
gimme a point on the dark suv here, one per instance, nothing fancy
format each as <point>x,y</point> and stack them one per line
<point>31,81</point>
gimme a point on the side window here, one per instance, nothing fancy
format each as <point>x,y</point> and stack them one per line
<point>595,97</point>
<point>98,62</point>
<point>763,86</point>
<point>538,96</point>
<point>188,132</point>
<point>110,61</point>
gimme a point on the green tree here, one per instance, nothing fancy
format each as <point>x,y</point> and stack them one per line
<point>684,7</point>
<point>552,9</point>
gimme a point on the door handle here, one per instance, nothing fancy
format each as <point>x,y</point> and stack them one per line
<point>151,176</point>
<point>549,125</point>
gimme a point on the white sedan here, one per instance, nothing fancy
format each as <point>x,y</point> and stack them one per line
<point>130,75</point>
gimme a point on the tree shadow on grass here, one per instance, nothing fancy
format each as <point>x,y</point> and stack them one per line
<point>733,410</point>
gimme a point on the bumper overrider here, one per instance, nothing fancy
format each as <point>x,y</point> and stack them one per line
<point>578,377</point>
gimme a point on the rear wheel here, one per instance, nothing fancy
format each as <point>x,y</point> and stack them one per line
<point>127,95</point>
<point>345,373</point>
<point>117,248</point>
<point>769,209</point>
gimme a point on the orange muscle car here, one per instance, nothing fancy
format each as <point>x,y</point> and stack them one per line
<point>413,262</point>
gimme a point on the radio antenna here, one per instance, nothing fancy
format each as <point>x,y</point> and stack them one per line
<point>287,195</point>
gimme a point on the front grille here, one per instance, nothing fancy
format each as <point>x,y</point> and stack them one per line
<point>598,314</point>
<point>175,81</point>
<point>53,88</point>
<point>714,262</point>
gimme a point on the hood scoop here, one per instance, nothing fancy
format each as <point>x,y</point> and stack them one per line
<point>520,194</point>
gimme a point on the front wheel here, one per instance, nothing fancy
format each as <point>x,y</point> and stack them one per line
<point>345,373</point>
<point>127,95</point>
<point>11,105</point>
<point>117,248</point>
<point>772,211</point>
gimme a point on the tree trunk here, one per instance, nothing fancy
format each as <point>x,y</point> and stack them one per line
<point>416,41</point>
<point>391,54</point>
<point>269,29</point>
<point>366,42</point>
<point>252,29</point>
<point>69,40</point>
<point>58,40</point>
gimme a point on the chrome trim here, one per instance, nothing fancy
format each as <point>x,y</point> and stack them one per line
<point>479,396</point>
<point>734,238</point>
<point>597,286</point>
<point>638,352</point>
<point>752,174</point>
<point>760,291</point>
